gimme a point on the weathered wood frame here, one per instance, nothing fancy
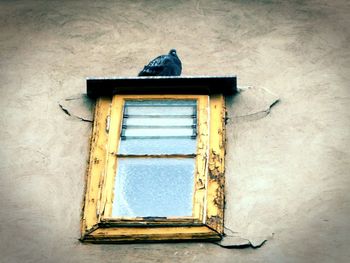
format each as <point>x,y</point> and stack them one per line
<point>207,221</point>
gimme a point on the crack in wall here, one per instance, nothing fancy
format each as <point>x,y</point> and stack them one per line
<point>67,112</point>
<point>78,106</point>
<point>239,240</point>
<point>251,104</point>
<point>258,115</point>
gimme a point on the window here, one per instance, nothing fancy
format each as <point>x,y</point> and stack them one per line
<point>156,169</point>
<point>156,159</point>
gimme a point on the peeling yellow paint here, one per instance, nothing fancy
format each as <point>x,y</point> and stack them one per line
<point>201,160</point>
<point>134,234</point>
<point>95,168</point>
<point>216,179</point>
<point>113,142</point>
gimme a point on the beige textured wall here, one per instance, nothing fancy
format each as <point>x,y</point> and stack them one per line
<point>287,171</point>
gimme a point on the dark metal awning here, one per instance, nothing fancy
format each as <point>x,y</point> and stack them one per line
<point>110,86</point>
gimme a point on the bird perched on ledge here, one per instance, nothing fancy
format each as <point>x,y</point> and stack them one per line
<point>164,65</point>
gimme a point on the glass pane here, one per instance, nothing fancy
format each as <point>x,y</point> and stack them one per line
<point>154,187</point>
<point>144,132</point>
<point>158,121</point>
<point>159,127</point>
<point>161,102</point>
<point>158,146</point>
<point>150,111</point>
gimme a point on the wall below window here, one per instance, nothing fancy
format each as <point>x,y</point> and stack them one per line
<point>287,176</point>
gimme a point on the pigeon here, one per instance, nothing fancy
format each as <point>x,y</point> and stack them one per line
<point>164,65</point>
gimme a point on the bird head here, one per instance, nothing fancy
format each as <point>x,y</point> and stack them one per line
<point>172,52</point>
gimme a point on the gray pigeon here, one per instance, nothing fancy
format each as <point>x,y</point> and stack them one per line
<point>164,65</point>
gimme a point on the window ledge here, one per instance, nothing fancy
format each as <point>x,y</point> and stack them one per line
<point>204,85</point>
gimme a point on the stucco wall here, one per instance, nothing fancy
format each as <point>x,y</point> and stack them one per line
<point>287,169</point>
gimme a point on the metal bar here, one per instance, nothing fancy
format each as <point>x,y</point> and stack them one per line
<point>159,116</point>
<point>192,155</point>
<point>157,137</point>
<point>154,104</point>
<point>125,126</point>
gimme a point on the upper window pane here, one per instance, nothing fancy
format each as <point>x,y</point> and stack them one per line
<point>159,127</point>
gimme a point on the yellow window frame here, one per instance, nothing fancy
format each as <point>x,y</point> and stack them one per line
<point>206,222</point>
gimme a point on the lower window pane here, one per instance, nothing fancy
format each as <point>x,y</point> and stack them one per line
<point>155,187</point>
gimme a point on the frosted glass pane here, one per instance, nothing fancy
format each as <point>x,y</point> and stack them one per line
<point>158,146</point>
<point>153,187</point>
